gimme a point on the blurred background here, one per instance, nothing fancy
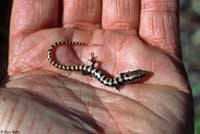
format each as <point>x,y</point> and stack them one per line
<point>190,40</point>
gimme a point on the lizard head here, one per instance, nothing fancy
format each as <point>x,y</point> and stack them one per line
<point>133,76</point>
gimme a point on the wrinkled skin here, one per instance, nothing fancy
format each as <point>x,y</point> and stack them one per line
<point>124,35</point>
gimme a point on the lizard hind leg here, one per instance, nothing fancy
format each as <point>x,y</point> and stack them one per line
<point>93,59</point>
<point>85,73</point>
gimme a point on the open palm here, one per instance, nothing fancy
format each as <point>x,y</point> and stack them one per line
<point>124,37</point>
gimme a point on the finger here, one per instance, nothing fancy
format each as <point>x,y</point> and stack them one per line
<point>31,15</point>
<point>82,14</point>
<point>121,14</point>
<point>159,24</point>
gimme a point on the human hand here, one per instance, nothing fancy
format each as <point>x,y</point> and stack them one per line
<point>125,37</point>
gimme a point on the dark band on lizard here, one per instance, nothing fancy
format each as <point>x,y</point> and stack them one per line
<point>129,77</point>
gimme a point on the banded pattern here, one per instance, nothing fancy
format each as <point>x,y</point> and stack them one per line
<point>117,82</point>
